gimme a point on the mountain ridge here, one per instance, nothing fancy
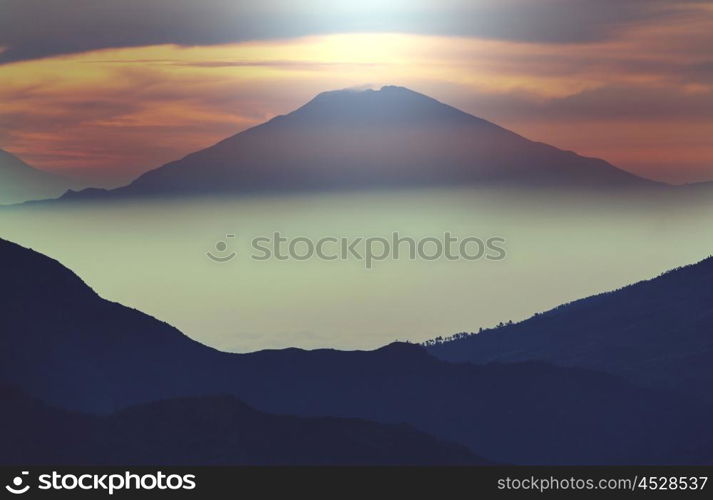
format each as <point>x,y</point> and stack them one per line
<point>217,430</point>
<point>655,332</point>
<point>104,357</point>
<point>392,137</point>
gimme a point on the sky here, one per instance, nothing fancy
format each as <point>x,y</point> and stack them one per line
<point>105,90</point>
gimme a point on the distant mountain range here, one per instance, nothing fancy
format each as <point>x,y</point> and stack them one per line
<point>207,431</point>
<point>60,342</point>
<point>657,333</point>
<point>20,182</point>
<point>391,137</point>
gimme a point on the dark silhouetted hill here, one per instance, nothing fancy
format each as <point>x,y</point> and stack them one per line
<point>208,431</point>
<point>62,343</point>
<point>57,334</point>
<point>657,333</point>
<point>373,138</point>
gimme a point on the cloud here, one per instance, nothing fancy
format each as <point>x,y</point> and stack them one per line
<point>109,129</point>
<point>642,99</point>
<point>638,103</point>
<point>660,132</point>
<point>615,103</point>
<point>31,29</point>
<point>701,72</point>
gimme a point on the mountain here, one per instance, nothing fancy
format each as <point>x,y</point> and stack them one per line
<point>208,431</point>
<point>51,322</point>
<point>657,333</point>
<point>20,182</point>
<point>62,343</point>
<point>373,138</point>
<point>697,191</point>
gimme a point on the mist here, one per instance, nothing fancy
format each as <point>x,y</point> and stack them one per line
<point>153,256</point>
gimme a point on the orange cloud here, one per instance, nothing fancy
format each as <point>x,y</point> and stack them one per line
<point>111,114</point>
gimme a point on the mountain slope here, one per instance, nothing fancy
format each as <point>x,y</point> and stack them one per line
<point>390,137</point>
<point>207,431</point>
<point>657,333</point>
<point>52,323</point>
<point>20,182</point>
<point>62,343</point>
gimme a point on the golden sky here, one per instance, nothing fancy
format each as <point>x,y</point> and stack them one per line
<point>639,94</point>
